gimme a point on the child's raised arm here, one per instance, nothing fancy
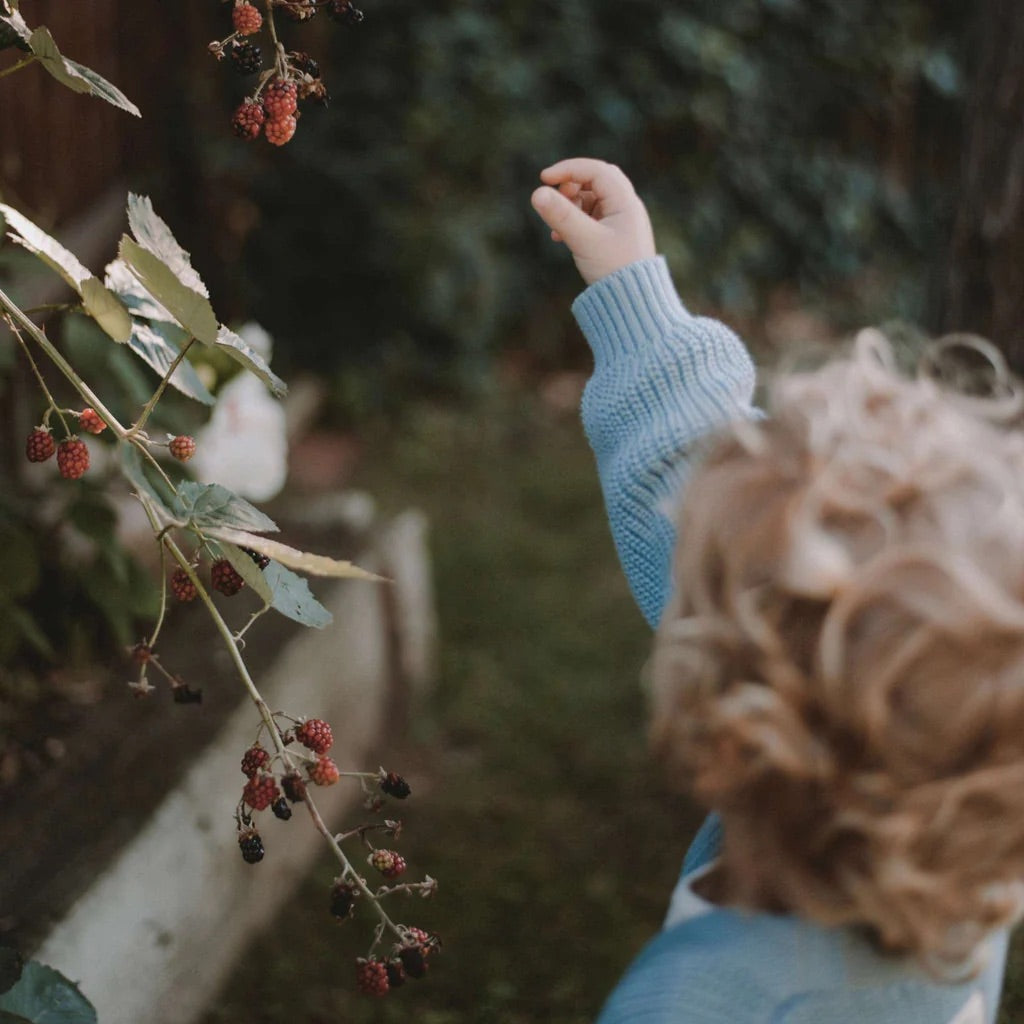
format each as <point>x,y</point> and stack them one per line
<point>663,378</point>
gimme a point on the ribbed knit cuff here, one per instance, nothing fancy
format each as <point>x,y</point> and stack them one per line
<point>622,312</point>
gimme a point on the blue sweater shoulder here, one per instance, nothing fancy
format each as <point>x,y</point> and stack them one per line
<point>663,380</point>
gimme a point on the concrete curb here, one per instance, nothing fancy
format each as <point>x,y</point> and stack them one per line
<point>159,931</point>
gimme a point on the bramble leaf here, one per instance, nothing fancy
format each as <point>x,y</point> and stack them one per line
<point>293,598</point>
<point>242,352</point>
<point>75,76</point>
<point>191,309</point>
<point>130,290</point>
<point>158,345</point>
<point>133,469</point>
<point>152,233</point>
<point>211,505</point>
<point>304,561</point>
<point>248,570</point>
<point>100,303</point>
<point>44,996</point>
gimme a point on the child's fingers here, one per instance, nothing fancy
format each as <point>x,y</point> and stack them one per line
<point>574,227</point>
<point>605,180</point>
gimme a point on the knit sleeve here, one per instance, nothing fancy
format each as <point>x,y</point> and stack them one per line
<point>663,379</point>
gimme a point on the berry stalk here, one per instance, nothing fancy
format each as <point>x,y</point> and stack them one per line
<point>161,388</point>
<point>14,313</point>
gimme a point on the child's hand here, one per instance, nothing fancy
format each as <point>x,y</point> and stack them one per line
<point>593,209</point>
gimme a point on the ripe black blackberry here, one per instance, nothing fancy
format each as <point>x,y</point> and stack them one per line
<point>304,63</point>
<point>343,899</point>
<point>393,784</point>
<point>246,57</point>
<point>345,12</point>
<point>260,559</point>
<point>294,787</point>
<point>281,809</point>
<point>251,845</point>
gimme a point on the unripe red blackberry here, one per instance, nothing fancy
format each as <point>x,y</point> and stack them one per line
<point>280,98</point>
<point>260,792</point>
<point>324,772</point>
<point>72,458</point>
<point>294,787</point>
<point>418,937</point>
<point>182,447</point>
<point>89,420</point>
<point>251,846</point>
<point>224,578</point>
<point>254,759</point>
<point>345,12</point>
<point>260,559</point>
<point>246,19</point>
<point>40,445</point>
<point>246,58</point>
<point>371,977</point>
<point>315,734</point>
<point>182,587</point>
<point>343,899</point>
<point>389,863</point>
<point>393,784</point>
<point>279,132</point>
<point>248,120</point>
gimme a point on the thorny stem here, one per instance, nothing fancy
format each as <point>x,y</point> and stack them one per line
<point>279,58</point>
<point>53,407</point>
<point>23,63</point>
<point>161,388</point>
<point>62,364</point>
<point>252,618</point>
<point>265,714</point>
<point>151,642</point>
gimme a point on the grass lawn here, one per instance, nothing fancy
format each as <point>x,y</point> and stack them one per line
<point>555,840</point>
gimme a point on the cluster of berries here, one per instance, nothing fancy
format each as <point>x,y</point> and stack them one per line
<point>72,453</point>
<point>272,110</point>
<point>223,578</point>
<point>264,790</point>
<point>376,976</point>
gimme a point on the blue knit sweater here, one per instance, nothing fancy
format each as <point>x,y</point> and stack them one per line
<point>663,379</point>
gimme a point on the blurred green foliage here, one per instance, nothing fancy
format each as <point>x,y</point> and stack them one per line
<point>801,141</point>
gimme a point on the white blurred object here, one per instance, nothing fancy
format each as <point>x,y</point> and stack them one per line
<point>245,444</point>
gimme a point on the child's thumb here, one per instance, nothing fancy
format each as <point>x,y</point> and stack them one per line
<point>564,216</point>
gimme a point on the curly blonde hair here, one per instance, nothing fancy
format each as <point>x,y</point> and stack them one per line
<point>841,671</point>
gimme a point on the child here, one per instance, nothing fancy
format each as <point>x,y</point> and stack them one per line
<point>839,667</point>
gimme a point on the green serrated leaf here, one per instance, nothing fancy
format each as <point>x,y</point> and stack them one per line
<point>120,280</point>
<point>106,309</point>
<point>44,47</point>
<point>248,570</point>
<point>234,346</point>
<point>77,77</point>
<point>44,996</point>
<point>152,233</point>
<point>158,345</point>
<point>49,250</point>
<point>316,565</point>
<point>100,303</point>
<point>211,505</point>
<point>293,598</point>
<point>101,88</point>
<point>190,309</point>
<point>159,493</point>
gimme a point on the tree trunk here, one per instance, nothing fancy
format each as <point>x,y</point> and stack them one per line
<point>985,282</point>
